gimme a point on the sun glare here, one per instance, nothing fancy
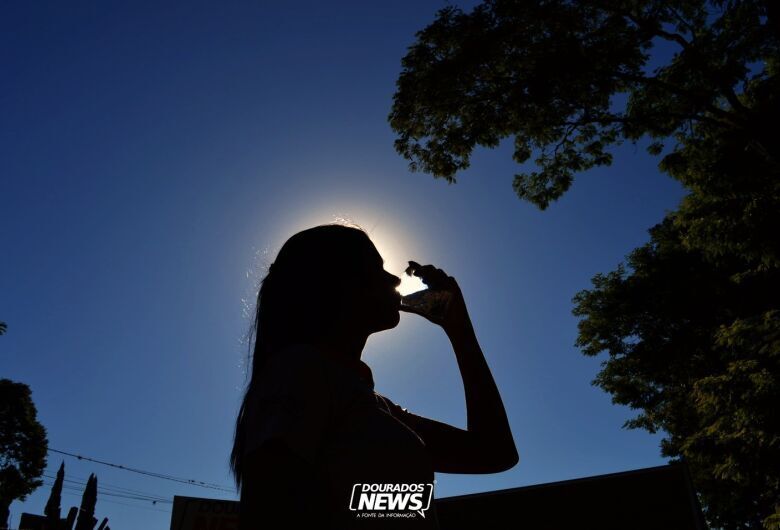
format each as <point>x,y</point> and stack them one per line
<point>409,284</point>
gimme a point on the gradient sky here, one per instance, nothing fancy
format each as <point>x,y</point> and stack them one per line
<point>153,160</point>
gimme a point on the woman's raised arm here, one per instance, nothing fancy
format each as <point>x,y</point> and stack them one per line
<point>487,446</point>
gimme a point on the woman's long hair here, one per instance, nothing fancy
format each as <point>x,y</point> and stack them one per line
<point>298,301</point>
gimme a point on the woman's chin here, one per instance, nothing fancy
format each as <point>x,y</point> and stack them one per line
<point>392,320</point>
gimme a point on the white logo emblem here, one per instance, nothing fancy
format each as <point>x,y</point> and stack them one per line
<point>390,500</point>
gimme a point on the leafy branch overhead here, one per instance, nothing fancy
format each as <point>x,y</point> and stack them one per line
<point>568,79</point>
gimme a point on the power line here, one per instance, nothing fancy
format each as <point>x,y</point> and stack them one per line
<point>106,486</point>
<point>162,476</point>
<point>77,489</point>
<point>121,503</point>
<point>143,497</point>
<point>135,506</point>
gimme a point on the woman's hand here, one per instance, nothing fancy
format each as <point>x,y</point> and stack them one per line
<point>456,318</point>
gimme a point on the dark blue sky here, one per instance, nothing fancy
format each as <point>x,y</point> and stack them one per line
<point>154,158</point>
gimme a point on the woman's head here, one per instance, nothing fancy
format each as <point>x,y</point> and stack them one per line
<point>325,281</point>
<point>323,278</point>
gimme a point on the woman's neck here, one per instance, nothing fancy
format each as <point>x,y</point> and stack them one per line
<point>344,348</point>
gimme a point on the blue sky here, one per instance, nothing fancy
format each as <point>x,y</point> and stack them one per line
<point>153,160</point>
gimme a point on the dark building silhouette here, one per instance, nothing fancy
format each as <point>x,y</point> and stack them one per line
<point>650,498</point>
<point>657,498</point>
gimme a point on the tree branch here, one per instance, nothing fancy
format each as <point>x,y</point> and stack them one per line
<point>683,22</point>
<point>656,30</point>
<point>688,94</point>
<point>726,89</point>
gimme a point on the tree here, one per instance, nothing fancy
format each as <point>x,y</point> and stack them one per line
<point>52,509</point>
<point>699,355</point>
<point>86,519</point>
<point>690,326</point>
<point>23,446</point>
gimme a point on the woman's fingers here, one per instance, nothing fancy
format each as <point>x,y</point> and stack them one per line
<point>432,276</point>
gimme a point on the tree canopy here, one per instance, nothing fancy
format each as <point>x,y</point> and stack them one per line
<point>691,322</point>
<point>699,356</point>
<point>23,445</point>
<point>547,73</point>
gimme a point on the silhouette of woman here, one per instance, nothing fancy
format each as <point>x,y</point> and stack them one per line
<point>311,425</point>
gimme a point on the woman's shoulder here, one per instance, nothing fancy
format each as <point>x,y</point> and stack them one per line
<point>390,406</point>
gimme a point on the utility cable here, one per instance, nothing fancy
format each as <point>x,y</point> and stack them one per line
<point>162,476</point>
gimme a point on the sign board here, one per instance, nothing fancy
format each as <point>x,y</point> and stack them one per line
<point>195,513</point>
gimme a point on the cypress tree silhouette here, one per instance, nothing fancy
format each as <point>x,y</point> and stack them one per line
<point>86,519</point>
<point>52,510</point>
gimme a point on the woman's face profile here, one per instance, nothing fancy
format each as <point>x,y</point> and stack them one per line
<point>376,301</point>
